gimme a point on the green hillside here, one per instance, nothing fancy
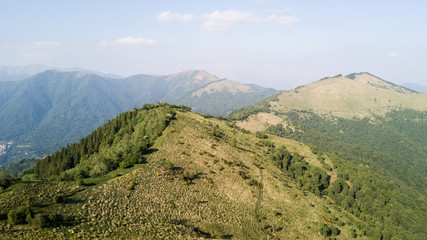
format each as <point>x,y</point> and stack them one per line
<point>360,118</point>
<point>163,172</point>
<point>41,114</point>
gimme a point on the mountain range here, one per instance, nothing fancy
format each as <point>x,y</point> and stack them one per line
<point>44,112</point>
<point>340,158</point>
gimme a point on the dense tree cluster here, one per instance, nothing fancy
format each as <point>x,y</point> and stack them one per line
<point>375,163</point>
<point>306,176</point>
<point>144,124</point>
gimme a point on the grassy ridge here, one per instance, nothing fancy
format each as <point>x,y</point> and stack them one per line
<point>203,178</point>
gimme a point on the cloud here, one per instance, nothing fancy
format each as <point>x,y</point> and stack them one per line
<point>45,44</point>
<point>224,20</point>
<point>394,55</point>
<point>135,41</point>
<point>167,16</point>
<point>286,21</point>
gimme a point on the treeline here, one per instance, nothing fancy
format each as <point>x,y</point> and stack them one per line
<point>145,125</point>
<point>245,112</point>
<point>308,177</point>
<point>393,145</point>
<point>18,168</point>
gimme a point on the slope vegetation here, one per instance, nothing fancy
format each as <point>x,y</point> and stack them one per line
<point>162,172</point>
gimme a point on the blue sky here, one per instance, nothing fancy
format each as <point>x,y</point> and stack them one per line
<point>273,43</point>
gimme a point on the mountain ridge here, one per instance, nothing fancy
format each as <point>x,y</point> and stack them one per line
<point>162,171</point>
<point>54,108</point>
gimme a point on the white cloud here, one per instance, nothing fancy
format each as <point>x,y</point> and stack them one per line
<point>135,41</point>
<point>46,44</point>
<point>394,55</point>
<point>286,21</point>
<point>222,21</point>
<point>168,16</point>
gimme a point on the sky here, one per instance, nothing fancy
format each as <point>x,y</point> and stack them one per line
<point>273,43</point>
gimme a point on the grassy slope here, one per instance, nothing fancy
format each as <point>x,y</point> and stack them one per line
<point>363,96</point>
<point>217,203</point>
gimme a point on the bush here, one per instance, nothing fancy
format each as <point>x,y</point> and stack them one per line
<point>12,217</point>
<point>124,164</point>
<point>58,199</point>
<point>169,166</point>
<point>18,215</point>
<point>5,180</point>
<point>40,221</point>
<point>99,169</point>
<point>79,182</point>
<point>131,187</point>
<point>29,177</point>
<point>261,135</point>
<point>325,230</point>
<point>233,142</point>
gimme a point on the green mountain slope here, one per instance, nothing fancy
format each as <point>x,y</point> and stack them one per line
<point>47,111</point>
<point>162,172</point>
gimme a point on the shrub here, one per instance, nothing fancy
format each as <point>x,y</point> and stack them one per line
<point>130,187</point>
<point>79,182</point>
<point>325,230</point>
<point>169,166</point>
<point>29,177</point>
<point>124,164</point>
<point>58,199</point>
<point>233,142</point>
<point>40,221</point>
<point>5,180</point>
<point>261,135</point>
<point>12,217</point>
<point>18,215</point>
<point>99,169</point>
<point>79,173</point>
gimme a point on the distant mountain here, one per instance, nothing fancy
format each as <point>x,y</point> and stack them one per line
<point>22,72</point>
<point>356,95</point>
<point>416,86</point>
<point>45,112</point>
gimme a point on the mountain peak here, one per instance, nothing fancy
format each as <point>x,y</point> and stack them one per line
<point>196,75</point>
<point>368,78</point>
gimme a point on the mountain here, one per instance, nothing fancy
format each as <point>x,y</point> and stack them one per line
<point>360,117</point>
<point>164,172</point>
<point>416,86</point>
<point>357,95</point>
<point>40,114</point>
<point>13,73</point>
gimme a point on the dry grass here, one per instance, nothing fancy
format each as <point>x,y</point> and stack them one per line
<point>215,203</point>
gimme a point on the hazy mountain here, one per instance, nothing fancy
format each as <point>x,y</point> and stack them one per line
<point>163,172</point>
<point>416,86</point>
<point>44,112</point>
<point>16,73</point>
